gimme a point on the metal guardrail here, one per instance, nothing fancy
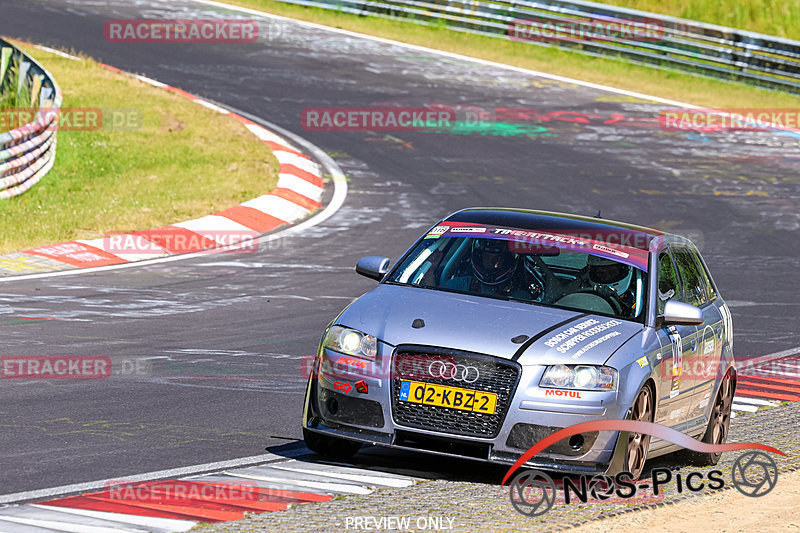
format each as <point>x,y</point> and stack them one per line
<point>28,152</point>
<point>683,45</point>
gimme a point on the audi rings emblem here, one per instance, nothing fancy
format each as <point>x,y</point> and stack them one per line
<point>445,370</point>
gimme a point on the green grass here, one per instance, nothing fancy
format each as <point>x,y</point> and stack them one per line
<point>666,84</point>
<point>10,97</point>
<point>185,161</point>
<point>773,17</point>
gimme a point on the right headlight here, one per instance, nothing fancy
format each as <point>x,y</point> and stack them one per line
<point>351,342</point>
<point>581,377</point>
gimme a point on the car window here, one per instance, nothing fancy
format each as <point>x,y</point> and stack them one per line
<point>545,274</point>
<point>701,267</point>
<point>668,284</point>
<point>694,291</point>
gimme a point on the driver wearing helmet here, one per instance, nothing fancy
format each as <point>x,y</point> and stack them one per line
<point>493,270</point>
<point>608,272</point>
<point>610,278</point>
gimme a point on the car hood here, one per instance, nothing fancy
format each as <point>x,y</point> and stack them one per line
<point>484,325</point>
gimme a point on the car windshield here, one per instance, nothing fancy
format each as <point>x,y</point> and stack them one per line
<point>552,270</point>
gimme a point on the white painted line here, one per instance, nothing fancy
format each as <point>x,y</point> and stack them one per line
<point>285,150</point>
<point>151,81</point>
<point>219,229</point>
<point>359,478</point>
<point>62,526</point>
<point>300,186</point>
<point>792,355</point>
<point>101,243</point>
<point>316,485</point>
<point>442,53</point>
<point>337,201</point>
<point>56,52</point>
<point>266,135</point>
<point>760,372</point>
<point>408,473</point>
<point>453,55</point>
<point>10,527</point>
<point>750,361</point>
<point>754,401</point>
<point>212,107</point>
<point>166,524</point>
<point>150,476</point>
<point>331,170</point>
<point>288,158</point>
<point>277,207</point>
<point>141,248</point>
<point>140,257</point>
<point>334,466</point>
<point>748,408</point>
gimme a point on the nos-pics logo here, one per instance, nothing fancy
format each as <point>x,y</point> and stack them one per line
<point>533,493</point>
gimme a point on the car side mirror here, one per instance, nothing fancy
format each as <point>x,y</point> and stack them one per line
<point>373,266</point>
<point>680,314</point>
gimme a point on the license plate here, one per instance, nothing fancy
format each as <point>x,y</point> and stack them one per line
<point>452,397</point>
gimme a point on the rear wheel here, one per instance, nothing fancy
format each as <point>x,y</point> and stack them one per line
<point>330,447</point>
<point>639,443</point>
<point>719,422</point>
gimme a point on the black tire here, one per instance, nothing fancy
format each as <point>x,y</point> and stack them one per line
<point>638,444</point>
<point>330,447</point>
<point>718,423</point>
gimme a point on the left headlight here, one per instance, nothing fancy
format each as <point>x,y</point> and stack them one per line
<point>582,377</point>
<point>351,342</point>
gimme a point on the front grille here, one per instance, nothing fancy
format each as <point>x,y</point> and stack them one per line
<point>496,375</point>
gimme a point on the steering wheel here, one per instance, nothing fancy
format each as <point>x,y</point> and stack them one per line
<point>550,285</point>
<point>538,285</point>
<point>606,293</point>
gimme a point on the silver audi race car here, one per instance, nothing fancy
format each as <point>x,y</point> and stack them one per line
<point>499,327</point>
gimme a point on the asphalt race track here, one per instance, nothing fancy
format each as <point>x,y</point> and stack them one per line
<point>219,340</point>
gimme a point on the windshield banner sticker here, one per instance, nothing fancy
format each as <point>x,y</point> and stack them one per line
<point>615,245</point>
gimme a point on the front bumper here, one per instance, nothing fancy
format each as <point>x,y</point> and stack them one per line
<point>532,413</point>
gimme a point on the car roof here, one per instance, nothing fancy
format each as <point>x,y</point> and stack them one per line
<point>638,236</point>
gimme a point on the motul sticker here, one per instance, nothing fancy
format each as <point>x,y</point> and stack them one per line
<point>563,393</point>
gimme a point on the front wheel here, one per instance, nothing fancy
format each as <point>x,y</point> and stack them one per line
<point>330,447</point>
<point>639,443</point>
<point>719,422</point>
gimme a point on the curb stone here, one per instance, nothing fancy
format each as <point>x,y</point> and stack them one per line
<point>298,193</point>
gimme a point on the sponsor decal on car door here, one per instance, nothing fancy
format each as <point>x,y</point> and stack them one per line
<point>677,344</point>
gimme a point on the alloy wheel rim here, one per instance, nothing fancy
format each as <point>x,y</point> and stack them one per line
<point>722,411</point>
<point>638,442</point>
